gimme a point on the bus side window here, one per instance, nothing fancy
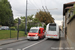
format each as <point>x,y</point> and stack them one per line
<point>39,31</point>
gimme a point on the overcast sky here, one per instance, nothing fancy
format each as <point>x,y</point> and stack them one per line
<point>55,7</point>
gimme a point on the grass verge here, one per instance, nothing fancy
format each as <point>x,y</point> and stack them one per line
<point>5,34</point>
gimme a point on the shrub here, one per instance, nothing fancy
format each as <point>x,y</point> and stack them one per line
<point>12,28</point>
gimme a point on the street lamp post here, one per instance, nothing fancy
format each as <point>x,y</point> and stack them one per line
<point>26,20</point>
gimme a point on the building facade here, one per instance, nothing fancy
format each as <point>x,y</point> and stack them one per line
<point>69,13</point>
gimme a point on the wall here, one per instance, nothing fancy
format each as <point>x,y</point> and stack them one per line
<point>71,33</point>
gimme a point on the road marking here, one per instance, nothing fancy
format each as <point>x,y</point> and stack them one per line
<point>9,48</point>
<point>33,44</point>
<point>1,48</point>
<point>18,49</point>
<point>60,45</point>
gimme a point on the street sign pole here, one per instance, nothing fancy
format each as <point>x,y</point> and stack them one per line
<point>10,27</point>
<point>10,32</point>
<point>19,22</point>
<point>26,20</point>
<point>18,29</point>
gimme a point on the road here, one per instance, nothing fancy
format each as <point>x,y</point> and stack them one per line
<point>43,44</point>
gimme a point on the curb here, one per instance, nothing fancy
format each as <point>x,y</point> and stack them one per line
<point>10,38</point>
<point>13,42</point>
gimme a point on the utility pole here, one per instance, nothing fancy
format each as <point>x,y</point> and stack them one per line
<point>26,20</point>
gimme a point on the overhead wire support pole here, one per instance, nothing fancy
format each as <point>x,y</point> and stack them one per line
<point>46,8</point>
<point>46,12</point>
<point>26,20</point>
<point>43,8</point>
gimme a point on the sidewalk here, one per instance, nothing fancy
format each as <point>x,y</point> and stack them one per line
<point>12,40</point>
<point>63,43</point>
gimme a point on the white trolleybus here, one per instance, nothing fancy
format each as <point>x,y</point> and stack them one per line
<point>52,31</point>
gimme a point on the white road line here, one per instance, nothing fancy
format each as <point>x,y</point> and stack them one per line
<point>60,47</point>
<point>9,48</point>
<point>34,44</point>
<point>18,49</point>
<point>1,48</point>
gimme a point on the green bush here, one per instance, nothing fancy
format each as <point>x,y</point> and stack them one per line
<point>40,24</point>
<point>12,28</point>
<point>22,27</point>
<point>45,27</point>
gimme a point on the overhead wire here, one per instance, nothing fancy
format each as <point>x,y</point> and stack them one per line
<point>46,13</point>
<point>42,3</point>
<point>37,6</point>
<point>45,3</point>
<point>33,3</point>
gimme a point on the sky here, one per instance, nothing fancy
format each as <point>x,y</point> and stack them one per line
<point>55,7</point>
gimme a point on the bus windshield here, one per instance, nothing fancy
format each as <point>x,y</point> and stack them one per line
<point>33,31</point>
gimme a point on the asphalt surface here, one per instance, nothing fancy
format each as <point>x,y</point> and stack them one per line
<point>43,44</point>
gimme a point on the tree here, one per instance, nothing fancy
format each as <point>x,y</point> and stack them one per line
<point>6,16</point>
<point>44,17</point>
<point>36,20</point>
<point>16,21</point>
<point>22,25</point>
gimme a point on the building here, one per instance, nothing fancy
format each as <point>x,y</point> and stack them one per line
<point>69,13</point>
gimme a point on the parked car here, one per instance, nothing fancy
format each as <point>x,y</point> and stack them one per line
<point>4,28</point>
<point>36,33</point>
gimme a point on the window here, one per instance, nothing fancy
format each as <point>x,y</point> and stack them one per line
<point>52,27</point>
<point>33,31</point>
<point>39,31</point>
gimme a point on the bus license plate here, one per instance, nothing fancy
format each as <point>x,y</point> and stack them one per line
<point>51,37</point>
